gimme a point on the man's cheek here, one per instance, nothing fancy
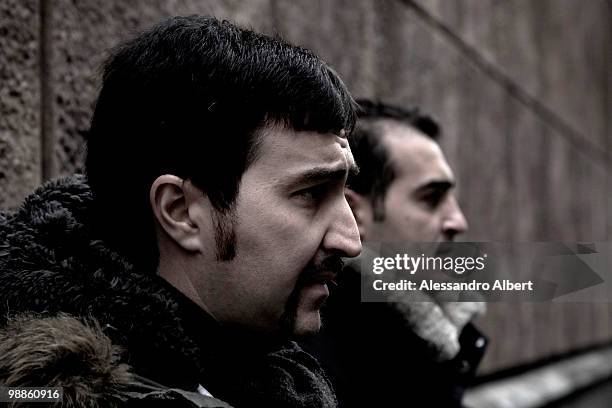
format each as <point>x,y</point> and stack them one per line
<point>287,289</point>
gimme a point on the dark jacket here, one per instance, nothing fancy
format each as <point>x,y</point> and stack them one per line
<point>51,262</point>
<point>375,358</point>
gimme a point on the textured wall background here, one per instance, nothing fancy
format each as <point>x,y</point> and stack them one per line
<point>20,93</point>
<point>523,90</point>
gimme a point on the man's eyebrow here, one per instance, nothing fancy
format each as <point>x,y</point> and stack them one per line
<point>321,174</point>
<point>436,185</point>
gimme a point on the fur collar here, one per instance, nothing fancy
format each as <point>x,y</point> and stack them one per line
<point>50,262</point>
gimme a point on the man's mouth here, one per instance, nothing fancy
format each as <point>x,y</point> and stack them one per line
<point>322,273</point>
<point>322,277</point>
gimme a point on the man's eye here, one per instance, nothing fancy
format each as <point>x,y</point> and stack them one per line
<point>312,195</point>
<point>434,198</point>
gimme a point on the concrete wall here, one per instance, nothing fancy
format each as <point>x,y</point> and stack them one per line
<point>521,87</point>
<point>20,94</point>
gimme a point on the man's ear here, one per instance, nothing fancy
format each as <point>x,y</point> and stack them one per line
<point>362,210</point>
<point>170,197</point>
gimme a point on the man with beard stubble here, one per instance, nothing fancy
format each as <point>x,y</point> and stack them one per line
<point>201,240</point>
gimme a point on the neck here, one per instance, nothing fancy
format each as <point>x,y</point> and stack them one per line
<point>174,271</point>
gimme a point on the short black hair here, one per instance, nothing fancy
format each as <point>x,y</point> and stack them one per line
<point>188,97</point>
<point>376,172</point>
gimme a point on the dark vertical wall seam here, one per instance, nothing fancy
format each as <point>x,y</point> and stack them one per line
<point>607,109</point>
<point>46,102</point>
<point>608,80</point>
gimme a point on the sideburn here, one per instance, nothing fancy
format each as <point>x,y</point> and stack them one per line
<point>225,236</point>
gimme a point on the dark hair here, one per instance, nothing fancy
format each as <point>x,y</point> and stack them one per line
<point>189,97</point>
<point>376,172</point>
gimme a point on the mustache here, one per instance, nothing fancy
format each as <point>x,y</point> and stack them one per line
<point>331,263</point>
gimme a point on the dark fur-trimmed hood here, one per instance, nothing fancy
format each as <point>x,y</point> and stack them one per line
<point>61,352</point>
<point>50,262</point>
<point>77,359</point>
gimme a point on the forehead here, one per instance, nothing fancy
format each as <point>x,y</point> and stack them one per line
<point>282,151</point>
<point>415,156</point>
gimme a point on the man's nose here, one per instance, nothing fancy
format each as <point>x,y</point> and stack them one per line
<point>342,236</point>
<point>454,222</point>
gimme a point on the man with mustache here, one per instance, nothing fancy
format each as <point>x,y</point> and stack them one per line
<point>204,235</point>
<point>401,352</point>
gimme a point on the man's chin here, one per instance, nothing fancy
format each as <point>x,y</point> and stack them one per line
<point>308,313</point>
<point>301,321</point>
<point>307,325</point>
<point>301,316</point>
